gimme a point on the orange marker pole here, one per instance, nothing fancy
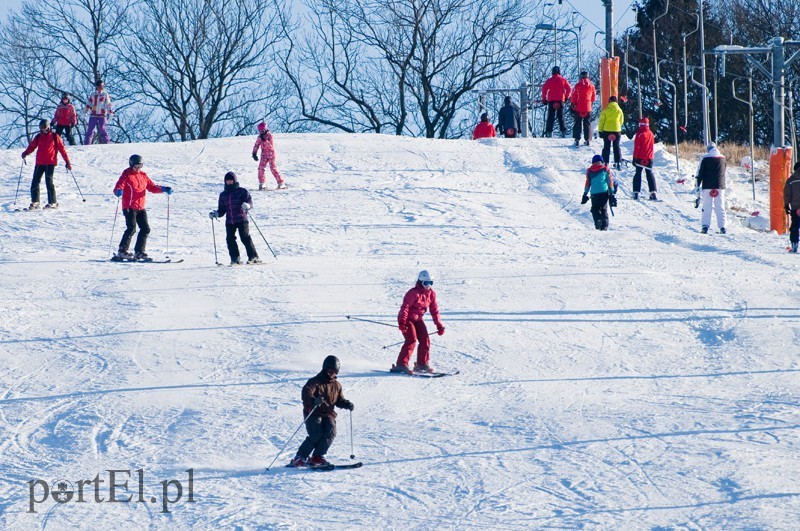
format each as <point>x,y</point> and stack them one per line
<point>780,162</point>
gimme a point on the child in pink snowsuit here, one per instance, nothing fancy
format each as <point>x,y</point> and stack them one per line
<point>264,141</point>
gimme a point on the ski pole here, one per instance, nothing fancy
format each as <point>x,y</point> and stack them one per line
<point>292,437</point>
<point>168,225</point>
<point>19,181</point>
<point>370,321</point>
<point>111,241</point>
<point>393,344</point>
<point>262,235</point>
<point>214,236</point>
<point>76,185</point>
<point>352,453</point>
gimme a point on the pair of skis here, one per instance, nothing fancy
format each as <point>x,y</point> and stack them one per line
<point>328,467</point>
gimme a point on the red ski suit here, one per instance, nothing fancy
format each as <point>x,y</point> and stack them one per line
<point>643,145</point>
<point>135,185</point>
<point>49,146</point>
<point>410,319</point>
<point>484,130</point>
<point>583,96</point>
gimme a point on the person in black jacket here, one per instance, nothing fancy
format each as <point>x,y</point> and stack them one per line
<point>791,202</point>
<point>711,185</point>
<point>508,119</point>
<point>234,203</point>
<point>320,394</point>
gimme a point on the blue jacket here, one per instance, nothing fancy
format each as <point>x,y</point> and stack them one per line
<point>599,180</point>
<point>231,201</point>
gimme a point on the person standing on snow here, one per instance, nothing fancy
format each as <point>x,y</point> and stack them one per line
<point>98,105</point>
<point>416,302</point>
<point>132,187</point>
<point>581,101</point>
<point>264,141</point>
<point>711,185</point>
<point>791,202</point>
<point>65,119</point>
<point>49,145</point>
<point>484,129</point>
<point>600,182</point>
<point>609,127</point>
<point>508,118</point>
<point>234,203</point>
<point>555,92</point>
<point>320,394</point>
<point>643,158</point>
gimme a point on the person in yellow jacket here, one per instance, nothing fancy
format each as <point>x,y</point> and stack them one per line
<point>609,127</point>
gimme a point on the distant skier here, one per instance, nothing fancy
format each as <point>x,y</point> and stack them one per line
<point>643,158</point>
<point>234,203</point>
<point>600,183</point>
<point>132,187</point>
<point>417,301</point>
<point>581,102</point>
<point>49,145</point>
<point>791,202</point>
<point>484,129</point>
<point>265,143</point>
<point>609,127</point>
<point>98,106</point>
<point>711,185</point>
<point>65,119</point>
<point>320,394</point>
<point>555,92</point>
<point>508,118</point>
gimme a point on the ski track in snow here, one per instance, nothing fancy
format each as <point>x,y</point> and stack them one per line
<point>640,378</point>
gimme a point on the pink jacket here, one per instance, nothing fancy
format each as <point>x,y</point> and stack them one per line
<point>99,104</point>
<point>264,141</point>
<point>65,115</point>
<point>415,304</point>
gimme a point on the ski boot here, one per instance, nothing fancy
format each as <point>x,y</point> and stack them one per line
<point>281,185</point>
<point>255,260</point>
<point>577,142</point>
<point>236,261</point>
<point>123,255</point>
<point>51,205</point>
<point>403,369</point>
<point>722,230</point>
<point>142,257</point>
<point>318,461</point>
<point>704,230</point>
<point>261,187</point>
<point>653,196</point>
<point>34,206</point>
<point>794,248</point>
<point>636,195</point>
<point>298,461</point>
<point>423,368</point>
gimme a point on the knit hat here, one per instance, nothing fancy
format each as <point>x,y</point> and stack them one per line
<point>556,70</point>
<point>584,74</point>
<point>485,117</point>
<point>612,98</point>
<point>711,145</point>
<point>230,175</point>
<point>262,127</point>
<point>597,158</point>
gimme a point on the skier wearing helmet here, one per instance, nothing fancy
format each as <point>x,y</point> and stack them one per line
<point>320,394</point>
<point>265,143</point>
<point>600,182</point>
<point>416,303</point>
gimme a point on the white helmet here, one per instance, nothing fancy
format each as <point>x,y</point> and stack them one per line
<point>425,278</point>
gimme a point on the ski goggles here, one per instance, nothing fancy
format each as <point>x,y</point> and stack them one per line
<point>427,282</point>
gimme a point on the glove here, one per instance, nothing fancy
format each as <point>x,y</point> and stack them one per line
<point>118,193</point>
<point>612,200</point>
<point>788,209</point>
<point>23,156</point>
<point>544,102</point>
<point>167,190</point>
<point>440,330</point>
<point>318,401</point>
<point>584,199</point>
<point>348,405</point>
<point>69,166</point>
<point>255,157</point>
<point>246,207</point>
<point>213,214</point>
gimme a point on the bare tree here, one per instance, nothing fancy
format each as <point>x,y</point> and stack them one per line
<point>201,61</point>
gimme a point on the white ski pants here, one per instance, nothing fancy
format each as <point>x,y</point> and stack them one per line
<point>717,203</point>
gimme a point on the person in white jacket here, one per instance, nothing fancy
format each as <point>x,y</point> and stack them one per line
<point>98,107</point>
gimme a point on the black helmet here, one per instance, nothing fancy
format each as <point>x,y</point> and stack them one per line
<point>44,124</point>
<point>134,160</point>
<point>230,176</point>
<point>331,362</point>
<point>556,70</point>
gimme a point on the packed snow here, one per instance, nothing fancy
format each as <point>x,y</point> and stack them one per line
<point>640,378</point>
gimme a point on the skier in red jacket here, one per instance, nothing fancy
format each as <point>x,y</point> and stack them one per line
<point>49,145</point>
<point>555,93</point>
<point>484,129</point>
<point>581,101</point>
<point>643,158</point>
<point>132,187</point>
<point>416,303</point>
<point>65,119</point>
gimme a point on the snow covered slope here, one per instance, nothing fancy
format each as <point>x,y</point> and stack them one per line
<point>641,378</point>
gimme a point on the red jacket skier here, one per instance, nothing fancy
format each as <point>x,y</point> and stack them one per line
<point>48,146</point>
<point>643,158</point>
<point>416,303</point>
<point>555,92</point>
<point>484,129</point>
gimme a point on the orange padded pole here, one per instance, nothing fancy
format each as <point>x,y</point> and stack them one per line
<point>609,79</point>
<point>780,165</point>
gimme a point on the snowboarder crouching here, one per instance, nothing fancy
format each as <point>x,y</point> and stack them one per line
<point>234,203</point>
<point>600,183</point>
<point>320,394</point>
<point>132,187</point>
<point>416,303</point>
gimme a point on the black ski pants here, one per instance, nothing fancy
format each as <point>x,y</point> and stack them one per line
<point>607,145</point>
<point>133,218</point>
<point>244,233</point>
<point>555,110</point>
<point>321,433</point>
<point>600,210</point>
<point>794,229</point>
<point>66,130</point>
<point>637,177</point>
<point>46,170</point>
<point>581,123</point>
